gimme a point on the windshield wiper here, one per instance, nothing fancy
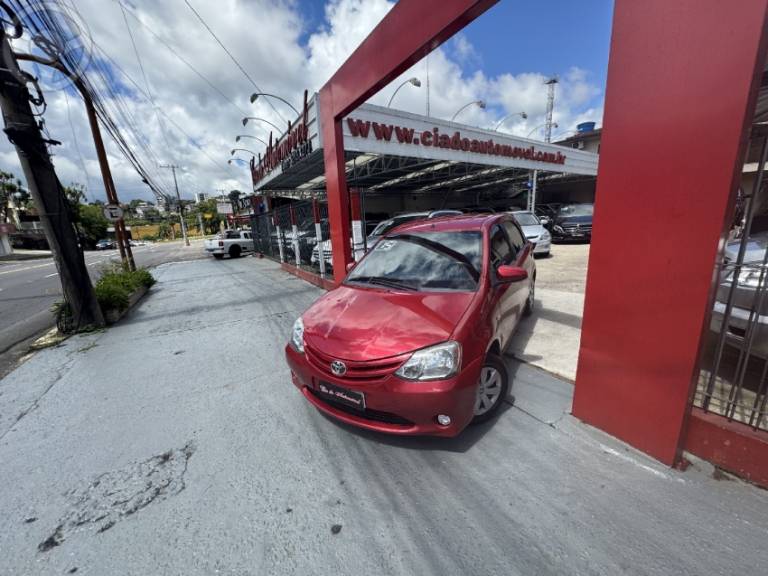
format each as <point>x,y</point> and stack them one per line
<point>441,249</point>
<point>383,281</point>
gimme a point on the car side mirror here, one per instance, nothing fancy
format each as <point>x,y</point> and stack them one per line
<point>508,273</point>
<point>544,220</point>
<point>350,266</point>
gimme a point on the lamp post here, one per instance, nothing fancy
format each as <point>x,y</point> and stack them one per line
<point>522,115</point>
<point>237,138</point>
<point>256,95</point>
<point>275,126</point>
<point>251,152</point>
<point>415,81</point>
<point>480,104</point>
<point>539,127</point>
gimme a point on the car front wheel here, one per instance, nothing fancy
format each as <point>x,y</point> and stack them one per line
<point>492,388</point>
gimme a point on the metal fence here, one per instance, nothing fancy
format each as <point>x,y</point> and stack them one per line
<point>296,235</point>
<point>733,381</point>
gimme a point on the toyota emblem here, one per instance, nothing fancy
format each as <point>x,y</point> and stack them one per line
<point>338,368</point>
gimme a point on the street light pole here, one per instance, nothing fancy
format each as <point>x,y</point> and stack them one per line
<point>237,138</point>
<point>480,104</point>
<point>275,126</point>
<point>256,95</point>
<point>522,115</point>
<point>178,200</point>
<point>415,81</point>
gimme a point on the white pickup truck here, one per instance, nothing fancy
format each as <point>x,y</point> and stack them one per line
<point>232,242</point>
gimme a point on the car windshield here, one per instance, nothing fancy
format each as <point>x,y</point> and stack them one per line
<point>387,225</point>
<point>576,210</point>
<point>423,261</point>
<point>526,219</point>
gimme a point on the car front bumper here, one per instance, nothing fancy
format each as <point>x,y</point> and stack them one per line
<point>542,246</point>
<point>394,405</point>
<point>737,328</point>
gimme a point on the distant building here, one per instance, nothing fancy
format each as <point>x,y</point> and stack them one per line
<point>201,197</point>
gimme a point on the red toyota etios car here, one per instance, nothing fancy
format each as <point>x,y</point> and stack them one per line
<point>411,341</point>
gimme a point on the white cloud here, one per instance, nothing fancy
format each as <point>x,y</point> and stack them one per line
<point>266,38</point>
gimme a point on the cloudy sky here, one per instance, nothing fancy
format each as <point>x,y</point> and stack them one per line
<point>200,96</point>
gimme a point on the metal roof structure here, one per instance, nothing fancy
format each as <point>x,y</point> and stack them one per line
<point>394,151</point>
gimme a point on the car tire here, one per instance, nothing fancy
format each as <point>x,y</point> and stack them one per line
<point>530,302</point>
<point>493,387</point>
<point>234,251</point>
<point>218,256</point>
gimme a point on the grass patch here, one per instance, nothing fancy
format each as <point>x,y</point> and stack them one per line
<point>116,285</point>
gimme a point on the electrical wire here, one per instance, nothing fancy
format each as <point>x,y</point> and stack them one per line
<point>77,148</point>
<point>231,57</point>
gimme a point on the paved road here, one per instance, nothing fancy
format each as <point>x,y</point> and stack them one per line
<point>29,288</point>
<point>174,443</point>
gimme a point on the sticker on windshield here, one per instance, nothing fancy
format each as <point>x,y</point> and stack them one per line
<point>385,245</point>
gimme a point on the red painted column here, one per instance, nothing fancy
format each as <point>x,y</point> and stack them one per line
<point>409,31</point>
<point>682,80</point>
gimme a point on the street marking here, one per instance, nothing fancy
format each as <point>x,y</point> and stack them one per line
<point>94,263</point>
<point>54,274</point>
<point>27,268</point>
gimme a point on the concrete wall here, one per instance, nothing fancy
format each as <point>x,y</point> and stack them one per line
<point>5,245</point>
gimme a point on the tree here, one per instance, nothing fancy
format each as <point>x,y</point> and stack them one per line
<point>209,215</point>
<point>9,186</point>
<point>91,223</point>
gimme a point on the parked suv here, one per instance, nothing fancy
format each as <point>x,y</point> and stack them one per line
<point>573,222</point>
<point>411,341</point>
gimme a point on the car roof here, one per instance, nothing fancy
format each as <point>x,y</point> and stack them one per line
<point>464,222</point>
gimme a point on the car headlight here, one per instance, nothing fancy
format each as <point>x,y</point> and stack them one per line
<point>433,363</point>
<point>559,228</point>
<point>545,236</point>
<point>297,335</point>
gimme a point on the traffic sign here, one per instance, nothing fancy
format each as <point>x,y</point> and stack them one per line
<point>113,212</point>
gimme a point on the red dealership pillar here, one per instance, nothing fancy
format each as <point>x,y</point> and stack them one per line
<point>682,82</point>
<point>409,31</point>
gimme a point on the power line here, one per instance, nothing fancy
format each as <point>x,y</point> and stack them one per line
<point>231,57</point>
<point>77,147</point>
<point>144,75</point>
<point>180,57</point>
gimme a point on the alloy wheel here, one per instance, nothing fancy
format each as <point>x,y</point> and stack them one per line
<point>488,390</point>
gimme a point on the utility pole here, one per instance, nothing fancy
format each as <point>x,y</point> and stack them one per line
<point>46,190</point>
<point>178,199</point>
<point>550,84</point>
<point>126,253</point>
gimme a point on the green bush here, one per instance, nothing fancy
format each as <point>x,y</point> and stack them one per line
<point>115,286</point>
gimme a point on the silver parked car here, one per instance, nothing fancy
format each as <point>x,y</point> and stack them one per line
<point>745,297</point>
<point>534,232</point>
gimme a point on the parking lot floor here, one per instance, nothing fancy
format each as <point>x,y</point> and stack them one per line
<point>174,443</point>
<point>549,339</point>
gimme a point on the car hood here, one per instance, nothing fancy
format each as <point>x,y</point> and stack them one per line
<point>756,246</point>
<point>533,231</point>
<point>361,324</point>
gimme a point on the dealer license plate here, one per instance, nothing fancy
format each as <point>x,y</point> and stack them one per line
<point>341,395</point>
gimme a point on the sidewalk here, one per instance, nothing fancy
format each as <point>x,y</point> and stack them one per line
<point>174,443</point>
<point>20,254</point>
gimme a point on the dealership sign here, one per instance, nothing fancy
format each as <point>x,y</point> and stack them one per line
<point>377,130</point>
<point>435,138</point>
<point>284,153</point>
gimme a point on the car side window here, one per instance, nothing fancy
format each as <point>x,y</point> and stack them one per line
<point>515,236</point>
<point>501,252</point>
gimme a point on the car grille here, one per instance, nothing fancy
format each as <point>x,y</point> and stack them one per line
<point>367,414</point>
<point>359,372</point>
<point>577,227</point>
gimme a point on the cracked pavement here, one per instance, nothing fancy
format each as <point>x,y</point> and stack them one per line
<point>174,443</point>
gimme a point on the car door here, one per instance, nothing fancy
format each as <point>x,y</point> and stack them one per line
<point>501,252</point>
<point>524,259</point>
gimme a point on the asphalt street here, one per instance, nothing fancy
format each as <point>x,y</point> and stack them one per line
<point>175,443</point>
<point>29,288</point>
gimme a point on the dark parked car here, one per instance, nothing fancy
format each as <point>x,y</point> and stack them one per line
<point>411,342</point>
<point>573,222</point>
<point>105,244</point>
